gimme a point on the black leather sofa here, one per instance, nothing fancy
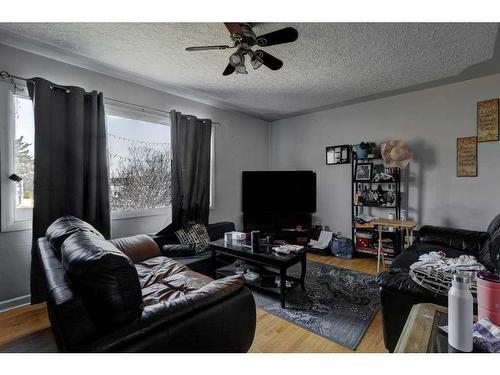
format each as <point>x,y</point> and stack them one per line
<point>123,296</point>
<point>201,263</point>
<point>398,292</point>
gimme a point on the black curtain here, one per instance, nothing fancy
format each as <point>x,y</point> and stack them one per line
<point>190,139</point>
<point>71,163</point>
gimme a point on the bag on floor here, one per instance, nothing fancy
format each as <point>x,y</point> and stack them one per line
<point>342,247</point>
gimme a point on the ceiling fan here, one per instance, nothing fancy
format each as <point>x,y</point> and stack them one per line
<point>244,39</point>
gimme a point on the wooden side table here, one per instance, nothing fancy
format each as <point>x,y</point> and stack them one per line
<point>407,226</point>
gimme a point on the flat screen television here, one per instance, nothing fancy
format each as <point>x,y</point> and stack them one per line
<point>279,192</point>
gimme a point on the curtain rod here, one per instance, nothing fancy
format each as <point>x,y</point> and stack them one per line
<point>7,76</point>
<point>142,107</point>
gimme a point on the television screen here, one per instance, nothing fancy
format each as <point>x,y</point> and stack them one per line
<point>282,191</point>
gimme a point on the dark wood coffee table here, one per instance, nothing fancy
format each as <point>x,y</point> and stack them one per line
<point>263,259</point>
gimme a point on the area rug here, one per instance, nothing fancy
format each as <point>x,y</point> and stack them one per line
<point>338,304</point>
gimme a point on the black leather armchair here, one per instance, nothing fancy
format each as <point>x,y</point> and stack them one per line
<point>179,310</point>
<point>398,292</point>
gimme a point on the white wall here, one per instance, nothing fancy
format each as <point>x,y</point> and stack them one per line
<point>430,121</point>
<point>241,143</point>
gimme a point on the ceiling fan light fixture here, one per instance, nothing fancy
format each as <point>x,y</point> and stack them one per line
<point>241,69</point>
<point>256,63</point>
<point>235,59</point>
<point>255,60</point>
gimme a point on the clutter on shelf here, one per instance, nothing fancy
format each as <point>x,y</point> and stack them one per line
<point>287,249</point>
<point>365,150</point>
<point>378,197</point>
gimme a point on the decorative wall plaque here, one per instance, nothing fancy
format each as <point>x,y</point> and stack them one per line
<point>467,157</point>
<point>487,121</point>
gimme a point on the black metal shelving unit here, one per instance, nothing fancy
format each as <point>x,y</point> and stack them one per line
<point>358,209</point>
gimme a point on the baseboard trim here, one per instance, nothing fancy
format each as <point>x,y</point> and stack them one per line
<point>15,302</point>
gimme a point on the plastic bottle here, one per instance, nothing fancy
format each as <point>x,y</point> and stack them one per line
<point>460,313</point>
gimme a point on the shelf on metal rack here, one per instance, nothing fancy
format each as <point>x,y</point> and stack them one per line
<point>371,251</point>
<point>374,205</point>
<point>372,158</point>
<point>373,182</point>
<point>385,231</point>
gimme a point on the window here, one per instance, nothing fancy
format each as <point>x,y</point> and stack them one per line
<point>18,158</point>
<point>24,157</point>
<point>140,166</point>
<point>140,162</point>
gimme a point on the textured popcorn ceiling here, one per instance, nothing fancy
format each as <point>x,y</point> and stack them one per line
<point>330,64</point>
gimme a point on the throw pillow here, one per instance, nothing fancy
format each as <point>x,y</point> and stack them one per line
<point>138,248</point>
<point>494,225</point>
<point>197,235</point>
<point>178,250</point>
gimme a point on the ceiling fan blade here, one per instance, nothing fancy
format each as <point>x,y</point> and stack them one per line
<point>206,48</point>
<point>229,70</point>
<point>286,35</point>
<point>270,61</point>
<point>234,28</point>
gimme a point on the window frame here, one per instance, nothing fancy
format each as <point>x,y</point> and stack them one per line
<point>8,222</point>
<point>132,112</point>
<point>212,170</point>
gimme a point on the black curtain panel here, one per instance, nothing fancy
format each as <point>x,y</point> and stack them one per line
<point>190,138</point>
<point>71,163</point>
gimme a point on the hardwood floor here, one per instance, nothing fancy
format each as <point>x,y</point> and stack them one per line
<point>275,335</point>
<point>27,329</point>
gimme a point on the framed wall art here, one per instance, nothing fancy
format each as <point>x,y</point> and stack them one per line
<point>364,171</point>
<point>338,154</point>
<point>467,157</point>
<point>487,120</point>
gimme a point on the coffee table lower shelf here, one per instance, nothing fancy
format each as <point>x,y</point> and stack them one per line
<point>266,273</point>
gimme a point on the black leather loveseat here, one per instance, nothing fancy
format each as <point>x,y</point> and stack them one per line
<point>398,292</point>
<point>123,296</point>
<point>201,263</point>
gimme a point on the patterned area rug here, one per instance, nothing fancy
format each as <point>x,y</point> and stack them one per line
<point>338,304</point>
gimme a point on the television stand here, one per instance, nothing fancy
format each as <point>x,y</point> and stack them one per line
<point>294,236</point>
<point>282,226</point>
